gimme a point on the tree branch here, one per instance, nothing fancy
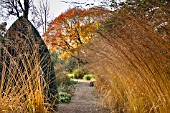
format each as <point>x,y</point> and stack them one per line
<point>19,2</point>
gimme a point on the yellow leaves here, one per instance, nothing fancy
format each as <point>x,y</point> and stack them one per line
<point>65,56</point>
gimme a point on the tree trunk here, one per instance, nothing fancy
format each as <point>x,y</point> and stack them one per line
<point>26,7</point>
<point>45,20</point>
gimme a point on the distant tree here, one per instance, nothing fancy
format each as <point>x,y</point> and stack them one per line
<point>39,15</point>
<point>74,28</point>
<point>93,3</point>
<point>16,7</point>
<point>43,14</point>
<point>154,13</point>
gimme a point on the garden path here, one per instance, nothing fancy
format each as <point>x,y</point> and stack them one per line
<point>85,100</point>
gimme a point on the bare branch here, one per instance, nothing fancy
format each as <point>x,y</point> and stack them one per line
<point>19,2</point>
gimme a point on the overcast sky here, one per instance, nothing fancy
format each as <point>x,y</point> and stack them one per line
<point>57,7</point>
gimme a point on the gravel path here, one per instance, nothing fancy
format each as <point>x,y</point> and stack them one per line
<point>84,100</point>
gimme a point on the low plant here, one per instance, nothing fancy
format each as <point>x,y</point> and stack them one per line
<point>64,97</point>
<point>76,74</point>
<point>88,77</point>
<point>73,82</point>
<point>69,87</point>
<point>71,75</point>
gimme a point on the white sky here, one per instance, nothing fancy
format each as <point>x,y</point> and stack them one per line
<point>57,7</point>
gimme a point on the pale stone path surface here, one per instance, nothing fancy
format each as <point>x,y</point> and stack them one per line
<point>85,100</point>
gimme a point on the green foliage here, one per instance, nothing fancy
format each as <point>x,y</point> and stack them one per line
<point>88,77</point>
<point>78,73</point>
<point>71,75</point>
<point>64,97</point>
<point>55,59</point>
<point>73,82</point>
<point>67,88</point>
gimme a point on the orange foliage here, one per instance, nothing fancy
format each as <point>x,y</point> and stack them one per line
<point>73,29</point>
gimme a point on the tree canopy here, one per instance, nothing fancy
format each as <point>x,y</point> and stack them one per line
<point>73,29</point>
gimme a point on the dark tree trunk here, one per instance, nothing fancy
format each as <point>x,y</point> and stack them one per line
<point>26,7</point>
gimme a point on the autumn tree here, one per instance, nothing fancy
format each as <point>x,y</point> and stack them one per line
<point>74,28</point>
<point>153,12</point>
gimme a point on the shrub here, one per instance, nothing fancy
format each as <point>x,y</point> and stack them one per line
<point>88,77</point>
<point>71,64</point>
<point>69,87</point>
<point>71,75</point>
<point>64,97</point>
<point>62,79</point>
<point>78,73</point>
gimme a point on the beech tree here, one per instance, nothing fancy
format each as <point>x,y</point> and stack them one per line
<point>74,28</point>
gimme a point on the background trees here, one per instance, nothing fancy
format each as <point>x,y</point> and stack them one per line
<point>154,13</point>
<point>73,29</point>
<point>16,7</point>
<point>38,15</point>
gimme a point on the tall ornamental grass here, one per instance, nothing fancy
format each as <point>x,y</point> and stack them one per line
<point>131,64</point>
<point>23,85</point>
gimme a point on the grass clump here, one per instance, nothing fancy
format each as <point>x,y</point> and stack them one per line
<point>24,88</point>
<point>131,71</point>
<point>63,79</point>
<point>23,92</point>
